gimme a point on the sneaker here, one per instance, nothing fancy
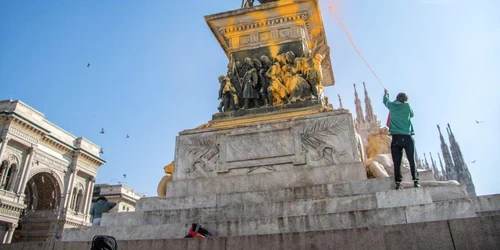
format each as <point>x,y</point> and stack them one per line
<point>416,184</point>
<point>398,186</point>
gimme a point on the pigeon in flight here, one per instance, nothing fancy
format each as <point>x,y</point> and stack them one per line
<point>102,130</point>
<point>102,151</point>
<point>88,65</point>
<point>474,161</point>
<point>127,136</point>
<point>478,121</point>
<point>124,175</point>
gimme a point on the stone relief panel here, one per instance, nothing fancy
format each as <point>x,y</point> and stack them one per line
<point>196,156</point>
<point>319,140</point>
<point>327,141</point>
<point>259,145</point>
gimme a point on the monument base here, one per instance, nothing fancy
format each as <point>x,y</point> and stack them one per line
<point>267,141</point>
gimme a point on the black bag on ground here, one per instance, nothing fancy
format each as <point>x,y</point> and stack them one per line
<point>104,242</point>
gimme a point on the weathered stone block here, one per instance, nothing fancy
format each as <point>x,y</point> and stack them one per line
<point>406,197</point>
<point>448,193</point>
<point>300,176</point>
<point>429,235</point>
<point>487,203</point>
<point>76,245</point>
<point>28,246</point>
<point>283,194</point>
<point>476,233</point>
<point>443,210</point>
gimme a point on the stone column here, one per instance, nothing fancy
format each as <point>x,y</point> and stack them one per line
<point>10,232</point>
<point>69,190</point>
<point>5,171</point>
<point>88,197</point>
<point>26,171</point>
<point>3,147</point>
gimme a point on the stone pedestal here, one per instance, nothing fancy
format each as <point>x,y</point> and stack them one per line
<point>314,136</point>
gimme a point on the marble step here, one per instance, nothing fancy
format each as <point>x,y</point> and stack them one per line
<point>249,211</point>
<point>435,235</point>
<point>277,195</point>
<point>437,211</point>
<point>299,176</point>
<point>488,204</point>
<point>289,194</point>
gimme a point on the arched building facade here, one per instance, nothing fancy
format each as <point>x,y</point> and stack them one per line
<point>46,176</point>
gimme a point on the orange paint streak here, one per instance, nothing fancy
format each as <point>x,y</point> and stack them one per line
<point>348,34</point>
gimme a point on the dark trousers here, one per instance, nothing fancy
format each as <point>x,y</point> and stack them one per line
<point>406,142</point>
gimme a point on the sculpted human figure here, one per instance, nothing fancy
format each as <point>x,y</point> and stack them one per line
<point>233,72</point>
<point>250,81</point>
<point>248,3</point>
<point>258,67</point>
<point>265,94</point>
<point>314,75</point>
<point>276,87</point>
<point>298,88</point>
<point>227,95</point>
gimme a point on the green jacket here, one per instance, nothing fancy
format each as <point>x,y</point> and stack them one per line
<point>101,206</point>
<point>401,114</point>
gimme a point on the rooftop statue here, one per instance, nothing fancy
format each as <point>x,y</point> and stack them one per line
<point>249,3</point>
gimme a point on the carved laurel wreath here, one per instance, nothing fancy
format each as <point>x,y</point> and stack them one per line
<point>204,149</point>
<point>315,135</point>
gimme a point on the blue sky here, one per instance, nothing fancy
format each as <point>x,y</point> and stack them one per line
<point>155,66</point>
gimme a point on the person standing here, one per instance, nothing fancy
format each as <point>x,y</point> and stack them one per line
<point>101,206</point>
<point>401,130</point>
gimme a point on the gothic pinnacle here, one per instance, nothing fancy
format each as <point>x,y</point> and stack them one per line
<point>359,110</point>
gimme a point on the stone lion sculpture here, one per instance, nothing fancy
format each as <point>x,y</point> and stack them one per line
<point>162,186</point>
<point>379,160</point>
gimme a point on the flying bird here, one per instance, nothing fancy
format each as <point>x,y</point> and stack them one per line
<point>478,121</point>
<point>474,161</point>
<point>102,151</point>
<point>88,65</point>
<point>124,175</point>
<point>127,136</point>
<point>102,130</point>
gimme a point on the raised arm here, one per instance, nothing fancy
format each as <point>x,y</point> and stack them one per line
<point>387,103</point>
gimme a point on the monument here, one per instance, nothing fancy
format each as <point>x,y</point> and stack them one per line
<point>278,167</point>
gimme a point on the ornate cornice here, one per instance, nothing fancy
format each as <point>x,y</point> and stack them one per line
<point>266,23</point>
<point>17,132</point>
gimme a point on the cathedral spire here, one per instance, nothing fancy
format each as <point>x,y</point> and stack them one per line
<point>443,173</point>
<point>418,160</point>
<point>450,168</point>
<point>359,109</point>
<point>434,169</point>
<point>426,163</point>
<point>461,169</point>
<point>340,102</point>
<point>368,106</point>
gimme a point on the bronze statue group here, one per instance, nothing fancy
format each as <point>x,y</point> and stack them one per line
<point>283,80</point>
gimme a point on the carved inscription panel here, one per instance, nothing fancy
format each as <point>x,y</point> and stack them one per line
<point>259,145</point>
